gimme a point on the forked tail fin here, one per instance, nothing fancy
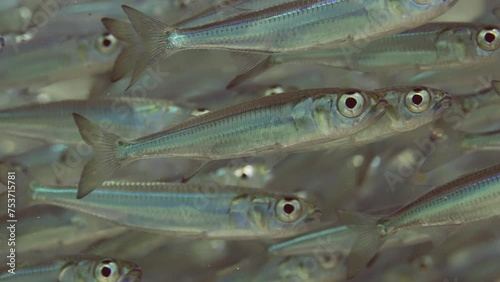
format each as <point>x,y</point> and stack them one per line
<point>148,46</point>
<point>104,162</point>
<point>368,242</point>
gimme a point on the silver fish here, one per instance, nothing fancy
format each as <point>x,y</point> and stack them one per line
<point>471,198</point>
<point>188,210</point>
<point>42,64</point>
<point>269,125</point>
<point>84,269</point>
<point>52,121</point>
<point>293,26</point>
<point>429,47</point>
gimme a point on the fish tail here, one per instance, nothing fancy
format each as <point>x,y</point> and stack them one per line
<point>104,162</point>
<point>369,240</point>
<point>153,44</point>
<point>125,62</point>
<point>252,72</point>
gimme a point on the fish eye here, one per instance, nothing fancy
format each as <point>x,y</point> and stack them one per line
<point>288,209</point>
<point>417,100</point>
<point>489,39</point>
<point>106,44</point>
<point>106,271</point>
<point>351,104</point>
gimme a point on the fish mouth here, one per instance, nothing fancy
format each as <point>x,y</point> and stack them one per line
<point>379,109</point>
<point>443,105</point>
<point>314,216</point>
<point>134,275</point>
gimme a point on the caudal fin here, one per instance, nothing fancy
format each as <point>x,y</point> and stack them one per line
<point>125,62</point>
<point>154,41</point>
<point>103,162</point>
<point>368,242</point>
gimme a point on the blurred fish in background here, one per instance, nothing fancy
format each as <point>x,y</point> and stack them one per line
<point>249,140</point>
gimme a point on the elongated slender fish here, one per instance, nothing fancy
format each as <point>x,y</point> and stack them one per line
<point>53,121</point>
<point>81,269</point>
<point>431,46</point>
<point>41,64</point>
<point>288,27</point>
<point>269,125</point>
<point>184,209</point>
<point>408,108</point>
<point>470,198</point>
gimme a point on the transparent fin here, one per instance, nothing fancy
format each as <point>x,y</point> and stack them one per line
<point>154,39</point>
<point>103,162</point>
<point>496,85</point>
<point>496,12</point>
<point>438,234</point>
<point>251,72</point>
<point>127,58</point>
<point>368,242</point>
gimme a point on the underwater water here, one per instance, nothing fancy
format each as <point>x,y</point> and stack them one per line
<point>249,140</point>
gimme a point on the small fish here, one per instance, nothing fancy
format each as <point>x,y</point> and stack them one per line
<point>269,125</point>
<point>53,122</point>
<point>311,268</point>
<point>188,210</point>
<point>41,64</point>
<point>84,269</point>
<point>285,28</point>
<point>470,198</point>
<point>429,47</point>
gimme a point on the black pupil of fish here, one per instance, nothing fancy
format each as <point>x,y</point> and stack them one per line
<point>288,208</point>
<point>489,37</point>
<point>417,99</point>
<point>106,42</point>
<point>106,271</point>
<point>351,103</point>
<point>244,176</point>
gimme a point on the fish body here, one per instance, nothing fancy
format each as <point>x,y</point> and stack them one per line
<point>269,125</point>
<point>471,198</point>
<point>188,210</point>
<point>53,121</point>
<point>432,46</point>
<point>88,269</point>
<point>284,28</point>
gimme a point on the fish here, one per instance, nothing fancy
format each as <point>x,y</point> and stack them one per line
<point>470,198</point>
<point>289,27</point>
<point>265,126</point>
<point>53,123</point>
<point>188,210</point>
<point>313,268</point>
<point>433,46</point>
<point>62,59</point>
<point>85,268</point>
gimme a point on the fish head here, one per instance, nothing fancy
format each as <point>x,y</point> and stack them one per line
<point>287,212</point>
<point>413,107</point>
<point>100,48</point>
<point>355,110</point>
<point>112,270</point>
